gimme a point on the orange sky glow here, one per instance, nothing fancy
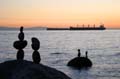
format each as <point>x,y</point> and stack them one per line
<point>59,13</point>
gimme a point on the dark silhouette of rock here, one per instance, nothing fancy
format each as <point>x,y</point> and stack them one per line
<point>35,46</point>
<point>21,34</point>
<point>36,57</point>
<point>35,43</point>
<point>79,54</point>
<point>20,55</point>
<point>21,29</point>
<point>20,45</point>
<point>86,54</point>
<point>80,62</point>
<point>18,69</point>
<point>22,69</point>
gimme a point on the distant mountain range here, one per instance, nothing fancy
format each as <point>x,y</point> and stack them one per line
<point>15,28</point>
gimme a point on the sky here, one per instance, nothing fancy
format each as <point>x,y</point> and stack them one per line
<point>59,13</point>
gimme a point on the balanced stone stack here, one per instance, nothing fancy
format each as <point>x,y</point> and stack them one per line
<point>20,45</point>
<point>35,46</point>
<point>22,69</point>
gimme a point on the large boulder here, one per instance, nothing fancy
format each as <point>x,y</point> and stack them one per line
<point>80,62</point>
<point>22,69</point>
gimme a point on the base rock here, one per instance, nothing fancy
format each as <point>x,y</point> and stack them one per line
<point>22,69</point>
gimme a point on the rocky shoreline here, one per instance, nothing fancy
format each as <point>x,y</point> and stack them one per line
<point>22,69</point>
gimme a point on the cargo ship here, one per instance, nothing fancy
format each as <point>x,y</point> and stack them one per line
<point>101,27</point>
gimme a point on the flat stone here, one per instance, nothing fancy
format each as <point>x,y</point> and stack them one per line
<point>20,44</point>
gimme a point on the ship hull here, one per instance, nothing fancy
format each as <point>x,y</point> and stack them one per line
<point>73,28</point>
<point>76,28</point>
<point>101,27</point>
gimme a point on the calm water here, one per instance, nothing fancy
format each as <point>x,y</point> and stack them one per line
<point>58,47</point>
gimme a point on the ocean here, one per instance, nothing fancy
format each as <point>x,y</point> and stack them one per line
<point>57,48</point>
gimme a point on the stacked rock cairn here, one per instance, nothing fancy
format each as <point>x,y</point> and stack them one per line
<point>35,46</point>
<point>20,45</point>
